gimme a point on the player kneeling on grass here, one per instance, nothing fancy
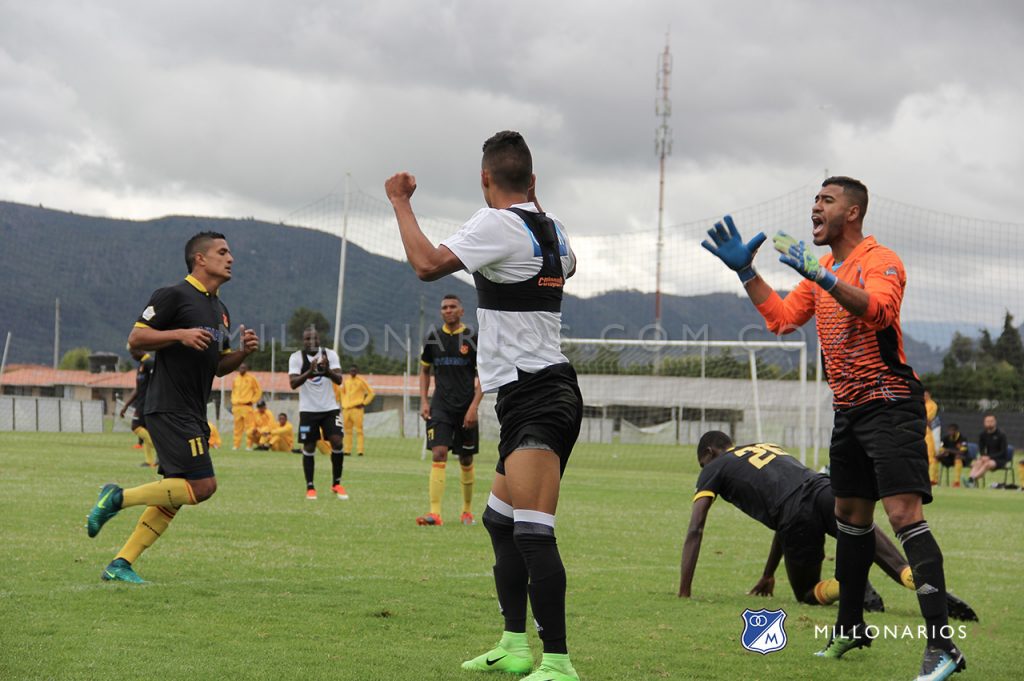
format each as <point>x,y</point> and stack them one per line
<point>772,487</point>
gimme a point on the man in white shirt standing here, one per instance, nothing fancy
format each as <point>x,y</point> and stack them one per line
<point>312,371</point>
<point>520,258</point>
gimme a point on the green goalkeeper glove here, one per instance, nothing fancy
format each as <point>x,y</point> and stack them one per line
<point>795,254</point>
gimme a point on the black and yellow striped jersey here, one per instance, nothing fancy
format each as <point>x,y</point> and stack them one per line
<point>756,478</point>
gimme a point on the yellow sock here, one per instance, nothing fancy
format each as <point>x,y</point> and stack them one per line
<point>1020,472</point>
<point>173,492</point>
<point>147,444</point>
<point>827,591</point>
<point>323,446</point>
<point>907,577</point>
<point>467,476</point>
<point>437,472</point>
<point>933,470</point>
<point>151,525</point>
<point>958,469</point>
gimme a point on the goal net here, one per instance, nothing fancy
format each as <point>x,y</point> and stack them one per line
<point>672,391</point>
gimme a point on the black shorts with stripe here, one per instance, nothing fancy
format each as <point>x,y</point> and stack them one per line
<point>319,425</point>
<point>182,443</point>
<point>544,407</point>
<point>878,450</point>
<point>444,429</point>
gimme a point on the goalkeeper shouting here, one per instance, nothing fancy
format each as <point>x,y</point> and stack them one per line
<point>878,449</point>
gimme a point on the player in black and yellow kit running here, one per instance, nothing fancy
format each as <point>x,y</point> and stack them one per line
<point>190,327</point>
<point>770,486</point>
<point>451,415</point>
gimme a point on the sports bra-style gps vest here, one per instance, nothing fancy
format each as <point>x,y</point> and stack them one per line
<point>541,292</point>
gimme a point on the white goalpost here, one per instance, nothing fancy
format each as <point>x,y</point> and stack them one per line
<point>671,391</point>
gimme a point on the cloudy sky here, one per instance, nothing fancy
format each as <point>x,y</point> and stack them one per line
<point>258,107</point>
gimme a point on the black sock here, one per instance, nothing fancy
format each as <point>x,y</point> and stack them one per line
<point>308,463</point>
<point>537,545</point>
<point>337,463</point>
<point>510,575</point>
<point>925,560</point>
<point>855,551</point>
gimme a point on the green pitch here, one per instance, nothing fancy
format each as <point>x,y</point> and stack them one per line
<point>259,583</point>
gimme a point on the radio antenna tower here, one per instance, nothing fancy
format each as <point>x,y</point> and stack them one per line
<point>663,148</point>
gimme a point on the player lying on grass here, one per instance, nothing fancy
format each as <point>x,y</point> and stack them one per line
<point>774,488</point>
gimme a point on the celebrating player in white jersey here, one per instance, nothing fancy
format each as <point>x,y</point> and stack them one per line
<point>520,258</point>
<point>314,371</point>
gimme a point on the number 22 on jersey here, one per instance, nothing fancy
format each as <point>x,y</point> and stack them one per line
<point>760,455</point>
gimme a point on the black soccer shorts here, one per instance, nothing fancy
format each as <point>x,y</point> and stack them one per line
<point>445,430</point>
<point>807,516</point>
<point>311,423</point>
<point>878,450</point>
<point>545,407</point>
<point>182,443</point>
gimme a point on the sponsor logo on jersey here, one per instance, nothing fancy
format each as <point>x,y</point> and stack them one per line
<point>148,313</point>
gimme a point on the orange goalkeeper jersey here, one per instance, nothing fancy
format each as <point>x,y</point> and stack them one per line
<point>863,356</point>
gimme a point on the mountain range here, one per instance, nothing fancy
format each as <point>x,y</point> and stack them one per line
<point>103,270</point>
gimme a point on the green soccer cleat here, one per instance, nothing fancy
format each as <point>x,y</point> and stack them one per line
<point>499,660</point>
<point>838,645</point>
<point>554,668</point>
<point>107,506</point>
<point>120,570</point>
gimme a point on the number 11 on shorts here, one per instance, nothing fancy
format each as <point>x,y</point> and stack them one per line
<point>196,444</point>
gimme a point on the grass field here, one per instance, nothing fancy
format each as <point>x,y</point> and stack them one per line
<point>259,583</point>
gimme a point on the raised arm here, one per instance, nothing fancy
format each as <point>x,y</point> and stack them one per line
<point>781,315</point>
<point>429,262</point>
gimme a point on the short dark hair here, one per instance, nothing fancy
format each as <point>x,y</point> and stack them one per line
<point>715,439</point>
<point>987,414</point>
<point>451,296</point>
<point>954,426</point>
<point>198,244</point>
<point>509,161</point>
<point>852,188</point>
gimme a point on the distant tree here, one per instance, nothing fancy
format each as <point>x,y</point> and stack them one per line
<point>985,345</point>
<point>725,365</point>
<point>992,371</point>
<point>1008,347</point>
<point>76,358</point>
<point>301,320</point>
<point>961,351</point>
